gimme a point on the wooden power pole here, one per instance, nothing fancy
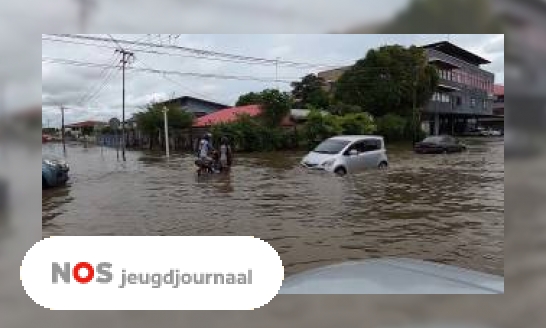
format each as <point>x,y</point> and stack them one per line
<point>126,56</point>
<point>62,129</point>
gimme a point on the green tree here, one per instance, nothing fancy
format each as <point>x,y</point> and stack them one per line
<point>251,98</point>
<point>320,126</point>
<point>392,127</point>
<point>248,134</point>
<point>309,92</point>
<point>275,107</point>
<point>385,80</point>
<point>343,109</point>
<point>151,120</point>
<point>357,124</point>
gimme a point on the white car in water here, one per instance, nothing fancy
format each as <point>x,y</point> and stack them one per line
<point>348,154</point>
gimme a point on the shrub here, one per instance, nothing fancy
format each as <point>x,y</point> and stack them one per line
<point>358,123</point>
<point>248,135</point>
<point>319,127</point>
<point>393,127</point>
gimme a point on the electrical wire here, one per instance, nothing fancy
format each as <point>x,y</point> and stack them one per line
<point>181,85</point>
<point>156,71</point>
<point>94,91</point>
<point>200,52</point>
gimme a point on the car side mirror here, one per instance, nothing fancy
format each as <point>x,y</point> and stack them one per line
<point>353,152</point>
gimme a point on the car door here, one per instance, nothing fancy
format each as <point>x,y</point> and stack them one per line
<point>371,153</point>
<point>355,162</point>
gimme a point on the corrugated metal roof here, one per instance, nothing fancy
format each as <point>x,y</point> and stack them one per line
<point>230,115</point>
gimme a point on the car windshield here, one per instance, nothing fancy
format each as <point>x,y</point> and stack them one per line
<point>434,140</point>
<point>331,146</point>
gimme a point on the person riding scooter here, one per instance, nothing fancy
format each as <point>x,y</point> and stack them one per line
<point>204,154</point>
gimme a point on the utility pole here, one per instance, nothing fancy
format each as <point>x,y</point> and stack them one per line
<point>62,129</point>
<point>126,56</point>
<point>167,149</point>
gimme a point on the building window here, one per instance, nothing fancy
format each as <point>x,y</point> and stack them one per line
<point>472,102</point>
<point>441,97</point>
<point>484,104</point>
<point>458,101</point>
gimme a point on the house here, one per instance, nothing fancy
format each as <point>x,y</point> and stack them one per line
<point>464,94</point>
<point>330,77</point>
<point>228,115</point>
<point>198,107</point>
<point>498,103</point>
<point>496,121</point>
<point>84,128</point>
<point>231,114</point>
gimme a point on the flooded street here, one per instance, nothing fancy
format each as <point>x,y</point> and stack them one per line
<point>445,208</point>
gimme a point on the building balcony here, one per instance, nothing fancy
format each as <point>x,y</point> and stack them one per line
<point>449,86</point>
<point>439,107</point>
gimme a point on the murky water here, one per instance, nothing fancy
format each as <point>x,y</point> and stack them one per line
<point>446,208</point>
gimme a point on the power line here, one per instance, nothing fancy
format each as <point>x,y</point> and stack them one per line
<point>106,81</point>
<point>156,52</point>
<point>182,86</point>
<point>200,57</point>
<point>94,91</point>
<point>115,41</point>
<point>199,52</point>
<point>156,71</point>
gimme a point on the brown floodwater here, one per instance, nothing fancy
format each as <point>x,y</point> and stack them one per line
<point>444,208</point>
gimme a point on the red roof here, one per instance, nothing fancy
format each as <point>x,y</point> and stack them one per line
<point>230,115</point>
<point>498,90</point>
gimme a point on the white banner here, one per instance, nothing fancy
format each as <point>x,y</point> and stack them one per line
<point>152,273</point>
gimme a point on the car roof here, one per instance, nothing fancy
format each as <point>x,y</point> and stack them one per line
<point>356,137</point>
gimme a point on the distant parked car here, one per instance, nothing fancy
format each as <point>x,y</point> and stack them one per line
<point>54,173</point>
<point>495,133</point>
<point>439,145</point>
<point>348,154</point>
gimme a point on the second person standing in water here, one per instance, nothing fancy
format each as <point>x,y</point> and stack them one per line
<point>225,154</point>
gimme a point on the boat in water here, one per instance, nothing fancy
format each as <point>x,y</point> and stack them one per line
<point>392,276</point>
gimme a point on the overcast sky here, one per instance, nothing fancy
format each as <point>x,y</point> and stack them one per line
<point>62,84</point>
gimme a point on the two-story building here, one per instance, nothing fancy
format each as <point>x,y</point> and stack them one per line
<point>464,93</point>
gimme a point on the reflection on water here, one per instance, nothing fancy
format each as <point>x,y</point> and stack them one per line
<point>447,208</point>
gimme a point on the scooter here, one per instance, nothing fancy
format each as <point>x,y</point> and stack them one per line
<point>209,166</point>
<point>204,166</point>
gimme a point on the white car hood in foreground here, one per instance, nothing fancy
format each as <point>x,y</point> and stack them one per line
<point>392,276</point>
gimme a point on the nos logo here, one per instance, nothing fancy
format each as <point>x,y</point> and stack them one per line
<point>78,272</point>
